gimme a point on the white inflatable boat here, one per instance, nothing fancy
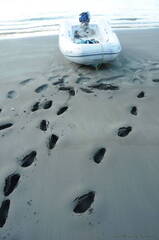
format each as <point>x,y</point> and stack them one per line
<point>97,45</point>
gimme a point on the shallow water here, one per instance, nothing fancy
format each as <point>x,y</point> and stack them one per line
<point>45,19</point>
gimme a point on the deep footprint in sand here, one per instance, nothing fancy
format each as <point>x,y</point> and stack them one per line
<point>11,94</point>
<point>141,94</point>
<point>4,212</point>
<point>5,125</point>
<point>99,155</point>
<point>52,141</point>
<point>47,104</point>
<point>44,125</point>
<point>133,110</point>
<point>156,80</point>
<point>62,110</point>
<point>28,159</point>
<point>124,131</point>
<point>69,89</point>
<point>83,203</point>
<point>11,183</point>
<point>26,81</point>
<point>35,107</point>
<point>41,88</point>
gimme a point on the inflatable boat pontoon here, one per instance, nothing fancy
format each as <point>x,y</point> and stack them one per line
<point>94,45</point>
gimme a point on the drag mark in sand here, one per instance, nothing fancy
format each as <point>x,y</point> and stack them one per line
<point>28,159</point>
<point>6,125</point>
<point>133,110</point>
<point>86,90</point>
<point>41,88</point>
<point>103,86</point>
<point>124,131</point>
<point>4,212</point>
<point>141,94</point>
<point>47,104</point>
<point>52,141</point>
<point>11,94</point>
<point>62,110</point>
<point>44,125</point>
<point>83,203</point>
<point>11,183</point>
<point>99,155</point>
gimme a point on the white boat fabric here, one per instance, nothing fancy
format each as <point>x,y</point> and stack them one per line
<point>93,45</point>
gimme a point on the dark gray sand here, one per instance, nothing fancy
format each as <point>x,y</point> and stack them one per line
<point>79,147</point>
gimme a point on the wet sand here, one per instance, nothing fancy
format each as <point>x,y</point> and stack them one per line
<point>78,146</point>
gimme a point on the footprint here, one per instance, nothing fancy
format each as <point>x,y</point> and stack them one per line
<point>35,107</point>
<point>41,88</point>
<point>104,86</point>
<point>124,131</point>
<point>47,104</point>
<point>69,89</point>
<point>86,90</point>
<point>133,110</point>
<point>60,81</point>
<point>11,183</point>
<point>0,109</point>
<point>28,159</point>
<point>98,156</point>
<point>52,141</point>
<point>53,77</point>
<point>6,125</point>
<point>62,110</point>
<point>44,125</point>
<point>24,82</point>
<point>84,202</point>
<point>141,94</point>
<point>154,69</point>
<point>4,212</point>
<point>11,94</point>
<point>156,80</point>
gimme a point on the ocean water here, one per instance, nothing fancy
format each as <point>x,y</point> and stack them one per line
<point>33,17</point>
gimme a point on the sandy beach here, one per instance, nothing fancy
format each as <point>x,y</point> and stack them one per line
<point>79,147</point>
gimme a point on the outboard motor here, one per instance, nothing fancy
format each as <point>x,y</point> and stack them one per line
<point>84,20</point>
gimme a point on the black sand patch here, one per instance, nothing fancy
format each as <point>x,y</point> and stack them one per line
<point>86,90</point>
<point>84,202</point>
<point>141,94</point>
<point>11,94</point>
<point>52,141</point>
<point>62,110</point>
<point>35,107</point>
<point>11,183</point>
<point>124,131</point>
<point>133,110</point>
<point>99,155</point>
<point>26,81</point>
<point>28,159</point>
<point>104,86</point>
<point>44,125</point>
<point>5,125</point>
<point>4,212</point>
<point>41,88</point>
<point>47,104</point>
